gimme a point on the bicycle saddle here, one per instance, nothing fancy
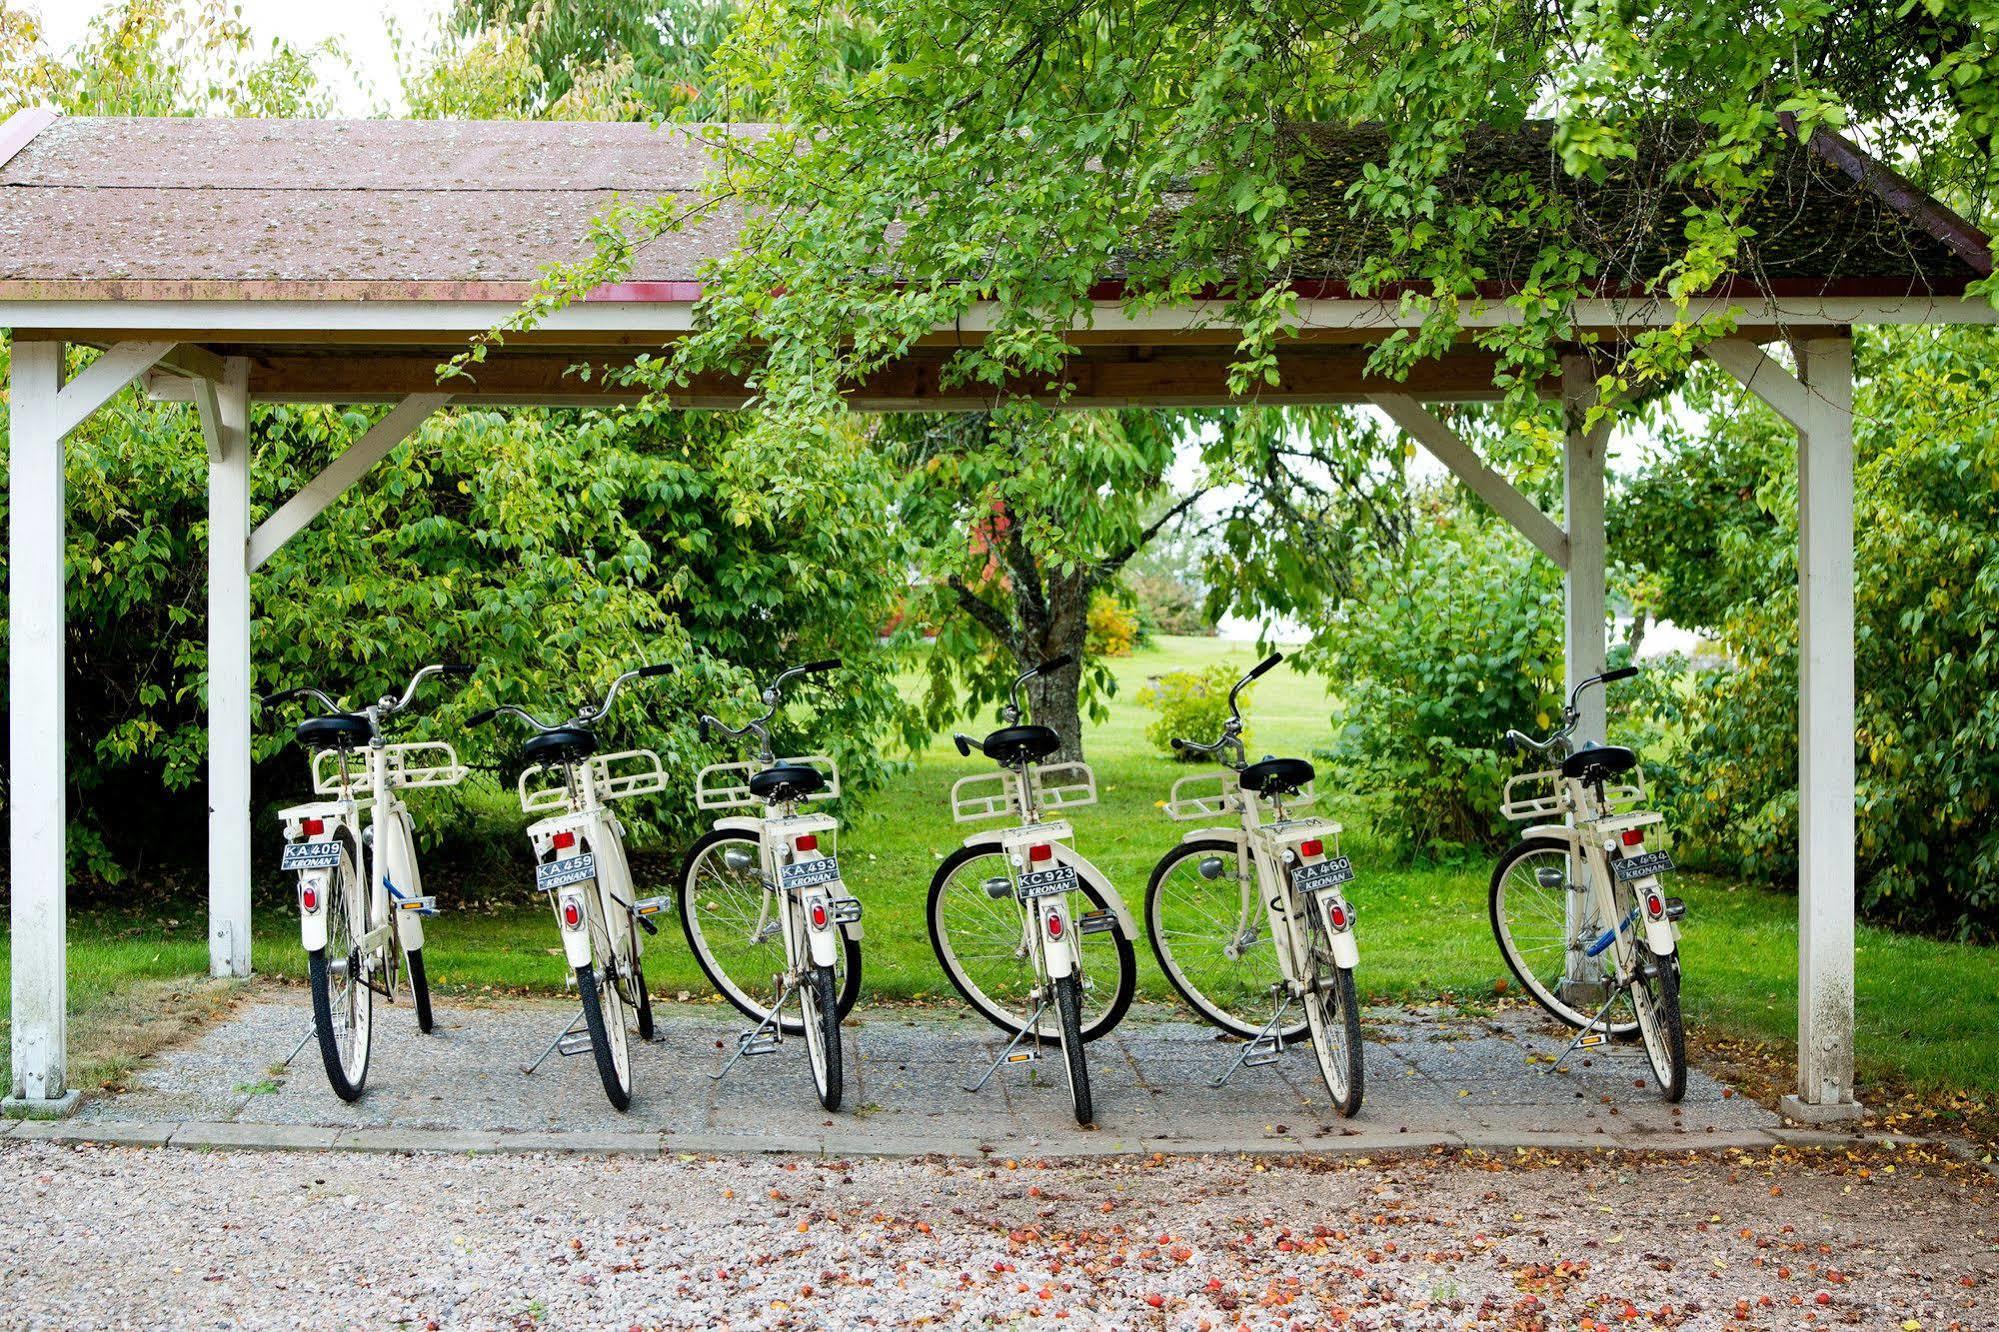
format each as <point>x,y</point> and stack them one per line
<point>787,782</point>
<point>1276,776</point>
<point>1600,761</point>
<point>341,731</point>
<point>565,744</point>
<point>1014,745</point>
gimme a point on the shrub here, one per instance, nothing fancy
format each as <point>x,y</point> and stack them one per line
<point>1113,627</point>
<point>1192,705</point>
<point>1169,605</point>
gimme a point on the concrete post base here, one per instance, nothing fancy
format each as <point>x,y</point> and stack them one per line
<point>1800,1111</point>
<point>35,1107</point>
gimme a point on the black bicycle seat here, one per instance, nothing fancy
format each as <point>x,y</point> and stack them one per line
<point>1015,745</point>
<point>343,730</point>
<point>565,744</point>
<point>787,782</point>
<point>1276,776</point>
<point>1597,761</point>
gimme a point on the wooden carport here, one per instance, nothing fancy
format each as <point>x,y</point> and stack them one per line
<point>228,262</point>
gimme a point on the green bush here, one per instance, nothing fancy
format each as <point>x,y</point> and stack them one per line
<point>1192,705</point>
<point>1435,654</point>
<point>1926,580</point>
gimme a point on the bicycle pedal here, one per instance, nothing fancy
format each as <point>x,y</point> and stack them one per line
<point>846,910</point>
<point>1023,1057</point>
<point>1096,922</point>
<point>652,906</point>
<point>1263,1050</point>
<point>760,1042</point>
<point>575,1043</point>
<point>423,906</point>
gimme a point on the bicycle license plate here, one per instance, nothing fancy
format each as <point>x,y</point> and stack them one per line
<point>1051,882</point>
<point>808,873</point>
<point>561,873</point>
<point>1650,865</point>
<point>310,855</point>
<point>1326,874</point>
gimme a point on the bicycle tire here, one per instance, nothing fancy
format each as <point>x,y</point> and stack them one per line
<point>1069,1013</point>
<point>822,1036</point>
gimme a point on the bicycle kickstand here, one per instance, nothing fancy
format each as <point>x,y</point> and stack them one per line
<point>311,1030</point>
<point>1266,1045</point>
<point>567,1031</point>
<point>767,1035</point>
<point>1007,1056</point>
<point>1596,1033</point>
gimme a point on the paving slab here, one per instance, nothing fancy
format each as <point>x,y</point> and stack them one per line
<point>1432,1077</point>
<point>109,1133</point>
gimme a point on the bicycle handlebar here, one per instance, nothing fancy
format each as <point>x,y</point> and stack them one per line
<point>1514,741</point>
<point>964,743</point>
<point>585,717</point>
<point>773,699</point>
<point>1231,737</point>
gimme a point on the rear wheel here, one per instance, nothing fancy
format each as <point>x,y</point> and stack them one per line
<point>604,1015</point>
<point>735,927</point>
<point>342,1004</point>
<point>1069,1016</point>
<point>1332,1011</point>
<point>822,1035</point>
<point>979,930</point>
<point>1655,996</point>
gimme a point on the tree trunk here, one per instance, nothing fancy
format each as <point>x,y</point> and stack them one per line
<point>1054,699</point>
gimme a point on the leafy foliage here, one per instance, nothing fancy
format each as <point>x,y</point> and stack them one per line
<point>1927,612</point>
<point>1114,627</point>
<point>1192,705</point>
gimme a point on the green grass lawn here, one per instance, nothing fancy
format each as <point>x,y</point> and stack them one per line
<point>1926,1008</point>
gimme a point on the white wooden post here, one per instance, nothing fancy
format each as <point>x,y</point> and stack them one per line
<point>225,422</point>
<point>1583,639</point>
<point>1825,735</point>
<point>37,662</point>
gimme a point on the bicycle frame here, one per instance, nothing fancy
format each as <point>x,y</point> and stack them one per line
<point>1595,831</point>
<point>584,826</point>
<point>816,904</point>
<point>1274,847</point>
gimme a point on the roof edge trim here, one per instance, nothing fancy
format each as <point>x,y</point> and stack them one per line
<point>20,129</point>
<point>1894,189</point>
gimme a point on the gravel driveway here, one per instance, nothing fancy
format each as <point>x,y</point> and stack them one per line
<point>117,1238</point>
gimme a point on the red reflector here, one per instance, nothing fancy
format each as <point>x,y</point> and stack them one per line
<point>571,916</point>
<point>309,899</point>
<point>564,840</point>
<point>818,915</point>
<point>313,827</point>
<point>1633,836</point>
<point>1040,853</point>
<point>1339,918</point>
<point>1054,926</point>
<point>807,842</point>
<point>1654,905</point>
<point>1311,848</point>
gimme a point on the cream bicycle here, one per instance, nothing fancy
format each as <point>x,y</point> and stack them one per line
<point>1249,920</point>
<point>360,941</point>
<point>1000,914</point>
<point>579,850</point>
<point>1586,891</point>
<point>763,902</point>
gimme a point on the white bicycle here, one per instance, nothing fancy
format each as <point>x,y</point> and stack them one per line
<point>1249,920</point>
<point>1584,893</point>
<point>763,902</point>
<point>360,940</point>
<point>580,859</point>
<point>1000,913</point>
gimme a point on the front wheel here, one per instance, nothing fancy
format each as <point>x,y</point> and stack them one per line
<point>1529,906</point>
<point>1069,1015</point>
<point>420,991</point>
<point>822,1035</point>
<point>734,924</point>
<point>604,1015</point>
<point>980,933</point>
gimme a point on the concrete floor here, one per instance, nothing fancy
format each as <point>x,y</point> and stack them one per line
<point>1432,1077</point>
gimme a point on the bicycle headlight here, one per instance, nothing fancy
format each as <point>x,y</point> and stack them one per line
<point>738,861</point>
<point>1211,867</point>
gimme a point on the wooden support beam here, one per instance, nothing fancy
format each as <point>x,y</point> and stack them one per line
<point>1443,442</point>
<point>225,421</point>
<point>342,472</point>
<point>1756,371</point>
<point>120,364</point>
<point>1584,593</point>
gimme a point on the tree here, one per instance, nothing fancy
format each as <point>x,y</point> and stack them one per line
<point>1020,518</point>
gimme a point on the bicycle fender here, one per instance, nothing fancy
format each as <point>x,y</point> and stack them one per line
<point>1661,936</point>
<point>1058,935</point>
<point>821,941</point>
<point>1554,832</point>
<point>314,887</point>
<point>742,823</point>
<point>1234,835</point>
<point>575,942</point>
<point>395,843</point>
<point>1346,949</point>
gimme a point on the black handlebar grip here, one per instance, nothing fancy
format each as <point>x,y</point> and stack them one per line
<point>1621,673</point>
<point>481,717</point>
<point>461,670</point>
<point>649,672</point>
<point>964,744</point>
<point>703,729</point>
<point>1266,664</point>
<point>282,696</point>
<point>1054,664</point>
<point>830,664</point>
<point>1507,745</point>
<point>1178,744</point>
